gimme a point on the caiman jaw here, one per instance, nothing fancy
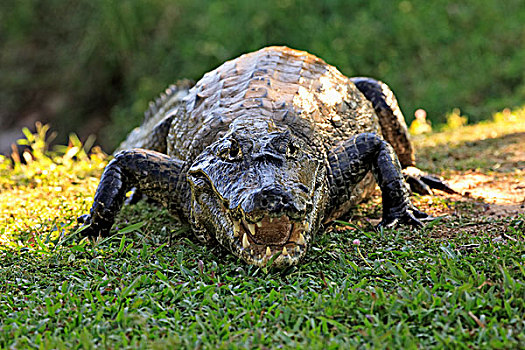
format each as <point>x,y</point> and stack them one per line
<point>269,236</point>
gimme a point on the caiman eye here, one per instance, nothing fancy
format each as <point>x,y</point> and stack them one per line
<point>230,151</point>
<point>291,150</point>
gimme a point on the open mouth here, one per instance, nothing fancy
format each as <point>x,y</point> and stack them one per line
<point>269,236</point>
<point>261,236</point>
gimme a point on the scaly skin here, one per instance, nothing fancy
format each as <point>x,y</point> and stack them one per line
<point>261,152</point>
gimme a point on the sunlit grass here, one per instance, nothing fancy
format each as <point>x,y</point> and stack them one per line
<point>43,194</point>
<point>502,123</point>
<point>459,282</point>
<point>496,144</point>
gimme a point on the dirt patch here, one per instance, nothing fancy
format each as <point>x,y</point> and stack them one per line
<point>485,204</point>
<point>502,193</point>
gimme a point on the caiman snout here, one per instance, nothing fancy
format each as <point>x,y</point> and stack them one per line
<point>275,220</point>
<point>275,200</point>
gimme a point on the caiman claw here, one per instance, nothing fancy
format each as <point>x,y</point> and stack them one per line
<point>408,216</point>
<point>87,227</point>
<point>423,183</point>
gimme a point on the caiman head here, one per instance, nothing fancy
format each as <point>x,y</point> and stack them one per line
<point>260,192</point>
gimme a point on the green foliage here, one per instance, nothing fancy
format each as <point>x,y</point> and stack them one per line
<point>151,286</point>
<point>92,58</point>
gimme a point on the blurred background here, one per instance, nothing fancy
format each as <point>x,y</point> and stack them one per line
<point>92,66</point>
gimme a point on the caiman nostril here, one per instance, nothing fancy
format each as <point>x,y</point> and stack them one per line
<point>272,199</point>
<point>276,200</point>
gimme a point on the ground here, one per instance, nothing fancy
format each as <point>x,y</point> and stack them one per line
<point>457,283</point>
<point>485,163</point>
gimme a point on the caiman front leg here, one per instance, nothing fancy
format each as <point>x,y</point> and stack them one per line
<point>154,174</point>
<point>352,160</point>
<point>395,132</point>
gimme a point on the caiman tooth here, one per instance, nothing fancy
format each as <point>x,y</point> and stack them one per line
<point>268,251</point>
<point>236,228</point>
<point>259,224</point>
<point>251,227</point>
<point>245,243</point>
<point>301,240</point>
<point>271,219</point>
<point>285,251</point>
<point>306,225</point>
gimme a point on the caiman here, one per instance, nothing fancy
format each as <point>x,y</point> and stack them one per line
<point>262,151</point>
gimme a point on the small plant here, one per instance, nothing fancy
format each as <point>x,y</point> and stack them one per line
<point>507,115</point>
<point>455,120</point>
<point>420,125</point>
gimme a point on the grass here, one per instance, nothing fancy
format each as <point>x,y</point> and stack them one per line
<point>151,285</point>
